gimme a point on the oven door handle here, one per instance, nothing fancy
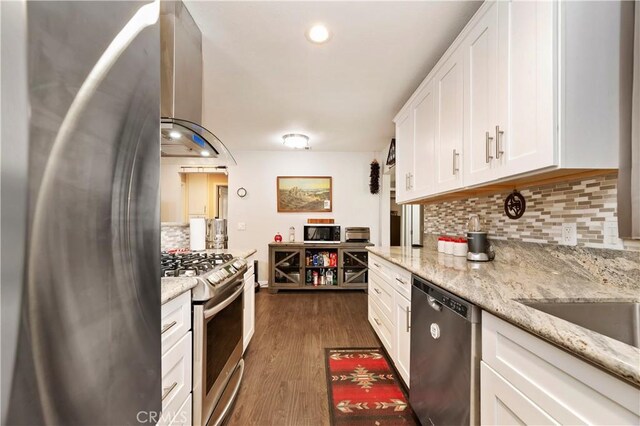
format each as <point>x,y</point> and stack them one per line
<point>220,306</point>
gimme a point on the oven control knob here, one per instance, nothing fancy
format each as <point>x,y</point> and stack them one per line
<point>213,278</point>
<point>435,330</point>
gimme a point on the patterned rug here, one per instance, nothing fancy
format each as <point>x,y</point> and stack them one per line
<point>363,389</point>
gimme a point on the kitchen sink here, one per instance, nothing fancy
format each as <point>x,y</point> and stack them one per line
<point>618,320</point>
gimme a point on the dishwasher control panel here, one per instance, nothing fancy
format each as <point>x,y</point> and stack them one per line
<point>455,306</point>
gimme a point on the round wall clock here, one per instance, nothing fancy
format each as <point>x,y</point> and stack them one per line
<point>241,192</point>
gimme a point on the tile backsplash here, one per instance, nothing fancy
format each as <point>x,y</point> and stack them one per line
<point>174,236</point>
<point>589,203</point>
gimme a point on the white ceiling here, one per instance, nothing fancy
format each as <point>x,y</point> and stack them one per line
<point>262,78</point>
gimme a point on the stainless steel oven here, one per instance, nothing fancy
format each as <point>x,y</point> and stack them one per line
<point>217,356</point>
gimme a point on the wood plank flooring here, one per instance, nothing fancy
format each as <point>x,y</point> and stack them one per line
<point>284,380</point>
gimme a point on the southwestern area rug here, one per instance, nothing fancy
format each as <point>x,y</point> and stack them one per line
<point>363,389</point>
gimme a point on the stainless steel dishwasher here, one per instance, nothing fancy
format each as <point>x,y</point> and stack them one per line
<point>445,356</point>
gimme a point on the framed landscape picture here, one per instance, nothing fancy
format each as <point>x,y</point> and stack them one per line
<point>304,194</point>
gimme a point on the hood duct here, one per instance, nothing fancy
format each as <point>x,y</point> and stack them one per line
<point>182,134</point>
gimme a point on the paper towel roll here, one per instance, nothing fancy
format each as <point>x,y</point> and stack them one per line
<point>198,233</point>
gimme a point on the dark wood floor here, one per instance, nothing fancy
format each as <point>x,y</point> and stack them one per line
<point>284,381</point>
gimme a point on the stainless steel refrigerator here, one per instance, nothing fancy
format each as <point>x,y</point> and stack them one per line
<point>79,181</point>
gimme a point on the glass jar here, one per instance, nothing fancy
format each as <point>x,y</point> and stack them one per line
<point>292,235</point>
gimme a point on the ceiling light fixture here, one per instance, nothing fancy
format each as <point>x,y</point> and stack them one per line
<point>205,153</point>
<point>174,135</point>
<point>318,34</point>
<point>296,140</point>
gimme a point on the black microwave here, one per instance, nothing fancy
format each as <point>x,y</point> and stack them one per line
<point>318,233</point>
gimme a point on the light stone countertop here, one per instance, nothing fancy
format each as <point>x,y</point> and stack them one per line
<point>536,271</point>
<point>172,287</point>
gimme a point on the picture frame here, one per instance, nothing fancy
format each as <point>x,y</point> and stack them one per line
<point>391,156</point>
<point>304,194</point>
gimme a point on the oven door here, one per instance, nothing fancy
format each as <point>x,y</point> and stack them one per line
<point>217,348</point>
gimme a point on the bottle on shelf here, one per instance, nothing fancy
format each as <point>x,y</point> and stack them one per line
<point>323,279</point>
<point>315,278</point>
<point>329,277</point>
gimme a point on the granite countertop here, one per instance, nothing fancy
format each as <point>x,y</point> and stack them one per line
<point>172,287</point>
<point>536,271</point>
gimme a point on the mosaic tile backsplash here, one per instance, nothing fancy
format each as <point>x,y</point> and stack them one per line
<point>174,235</point>
<point>588,202</point>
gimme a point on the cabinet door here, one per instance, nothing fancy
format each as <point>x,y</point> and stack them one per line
<point>402,336</point>
<point>404,156</point>
<point>480,96</point>
<point>197,194</point>
<point>526,85</point>
<point>449,87</point>
<point>503,404</point>
<point>421,181</point>
<point>249,319</point>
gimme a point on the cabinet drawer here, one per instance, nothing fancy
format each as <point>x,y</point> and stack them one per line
<point>381,267</point>
<point>176,375</point>
<point>402,282</point>
<point>570,390</point>
<point>184,415</point>
<point>176,320</point>
<point>381,325</point>
<point>382,293</point>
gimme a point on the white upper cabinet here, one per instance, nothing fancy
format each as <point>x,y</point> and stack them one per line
<point>527,88</point>
<point>480,49</point>
<point>449,86</point>
<point>424,121</point>
<point>404,156</point>
<point>524,130</point>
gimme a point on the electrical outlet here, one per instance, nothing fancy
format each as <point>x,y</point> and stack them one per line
<point>569,234</point>
<point>242,226</point>
<point>610,234</point>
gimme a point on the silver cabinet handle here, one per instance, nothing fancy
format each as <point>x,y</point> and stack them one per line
<point>406,181</point>
<point>377,320</point>
<point>455,168</point>
<point>499,150</point>
<point>488,155</point>
<point>434,303</point>
<point>377,291</point>
<point>167,391</point>
<point>408,311</point>
<point>401,281</point>
<point>376,265</point>
<point>410,180</point>
<point>166,327</point>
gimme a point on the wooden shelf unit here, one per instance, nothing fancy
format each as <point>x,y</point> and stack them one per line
<point>288,269</point>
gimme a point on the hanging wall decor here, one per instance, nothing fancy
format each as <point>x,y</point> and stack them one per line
<point>374,177</point>
<point>391,156</point>
<point>515,205</point>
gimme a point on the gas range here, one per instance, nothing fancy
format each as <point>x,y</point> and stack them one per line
<point>215,272</point>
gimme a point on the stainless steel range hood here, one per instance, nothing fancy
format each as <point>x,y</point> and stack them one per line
<point>181,89</point>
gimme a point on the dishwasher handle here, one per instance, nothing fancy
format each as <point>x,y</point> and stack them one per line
<point>435,305</point>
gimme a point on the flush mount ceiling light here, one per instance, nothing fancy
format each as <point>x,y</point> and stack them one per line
<point>205,153</point>
<point>318,34</point>
<point>174,135</point>
<point>296,140</point>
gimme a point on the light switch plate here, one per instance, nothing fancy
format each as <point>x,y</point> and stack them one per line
<point>242,226</point>
<point>610,234</point>
<point>569,234</point>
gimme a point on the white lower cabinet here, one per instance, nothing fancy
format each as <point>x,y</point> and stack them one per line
<point>249,305</point>
<point>503,404</point>
<point>177,369</point>
<point>390,310</point>
<point>402,335</point>
<point>525,380</point>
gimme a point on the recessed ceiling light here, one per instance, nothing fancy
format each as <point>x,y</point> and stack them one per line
<point>205,153</point>
<point>174,135</point>
<point>296,140</point>
<point>318,34</point>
